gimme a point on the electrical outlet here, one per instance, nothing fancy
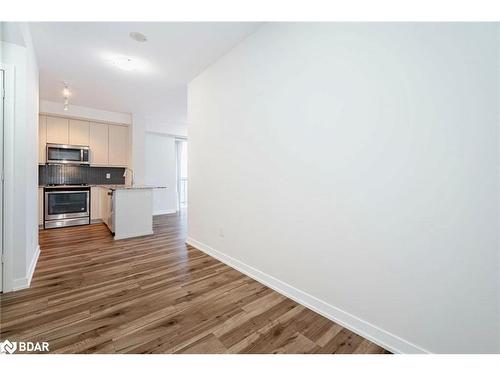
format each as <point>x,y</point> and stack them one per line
<point>108,176</point>
<point>221,232</point>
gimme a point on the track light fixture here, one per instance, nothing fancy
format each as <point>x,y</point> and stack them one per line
<point>66,96</point>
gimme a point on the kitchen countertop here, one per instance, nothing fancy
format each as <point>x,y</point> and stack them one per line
<point>110,187</point>
<point>129,187</point>
<point>65,186</point>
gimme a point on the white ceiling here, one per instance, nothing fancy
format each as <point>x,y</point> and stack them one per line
<point>173,54</point>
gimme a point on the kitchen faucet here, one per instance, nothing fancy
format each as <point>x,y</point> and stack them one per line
<point>132,175</point>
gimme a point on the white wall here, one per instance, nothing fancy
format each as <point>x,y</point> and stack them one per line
<point>54,108</point>
<point>21,181</point>
<point>170,128</point>
<point>160,170</point>
<point>141,125</point>
<point>355,166</point>
<point>30,152</point>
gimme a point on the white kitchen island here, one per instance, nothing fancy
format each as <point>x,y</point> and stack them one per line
<point>129,210</point>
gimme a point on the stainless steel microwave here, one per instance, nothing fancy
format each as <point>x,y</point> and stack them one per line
<point>67,154</point>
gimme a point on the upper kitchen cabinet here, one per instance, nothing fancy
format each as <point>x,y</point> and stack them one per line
<point>57,130</point>
<point>98,144</point>
<point>42,138</point>
<point>118,145</point>
<point>108,143</point>
<point>79,132</point>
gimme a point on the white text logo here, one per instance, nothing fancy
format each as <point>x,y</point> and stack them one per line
<point>11,347</point>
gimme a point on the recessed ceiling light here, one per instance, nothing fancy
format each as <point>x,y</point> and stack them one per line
<point>138,37</point>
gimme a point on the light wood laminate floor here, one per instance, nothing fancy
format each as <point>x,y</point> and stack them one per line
<point>155,294</point>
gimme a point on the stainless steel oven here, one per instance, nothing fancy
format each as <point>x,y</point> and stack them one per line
<point>66,206</point>
<point>67,154</point>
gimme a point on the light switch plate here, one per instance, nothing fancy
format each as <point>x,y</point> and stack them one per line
<point>108,176</point>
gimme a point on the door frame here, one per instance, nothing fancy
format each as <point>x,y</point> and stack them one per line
<point>8,174</point>
<point>178,142</point>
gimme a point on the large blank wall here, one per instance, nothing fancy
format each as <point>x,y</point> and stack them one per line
<point>20,158</point>
<point>160,171</point>
<point>358,163</point>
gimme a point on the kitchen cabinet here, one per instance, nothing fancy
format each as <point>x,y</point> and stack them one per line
<point>106,205</point>
<point>40,206</point>
<point>131,212</point>
<point>79,133</point>
<point>108,143</point>
<point>42,139</point>
<point>118,145</point>
<point>57,130</point>
<point>95,203</point>
<point>98,144</point>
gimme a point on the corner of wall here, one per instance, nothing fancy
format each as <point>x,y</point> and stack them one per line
<point>25,282</point>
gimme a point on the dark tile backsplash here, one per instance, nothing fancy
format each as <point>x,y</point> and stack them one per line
<point>75,174</point>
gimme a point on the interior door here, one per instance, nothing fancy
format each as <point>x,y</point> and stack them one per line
<point>2,94</point>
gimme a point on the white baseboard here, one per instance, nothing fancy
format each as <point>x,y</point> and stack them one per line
<point>32,267</point>
<point>164,212</point>
<point>25,282</point>
<point>367,330</point>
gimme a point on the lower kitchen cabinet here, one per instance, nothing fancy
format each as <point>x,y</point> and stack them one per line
<point>95,203</point>
<point>99,203</point>
<point>105,206</point>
